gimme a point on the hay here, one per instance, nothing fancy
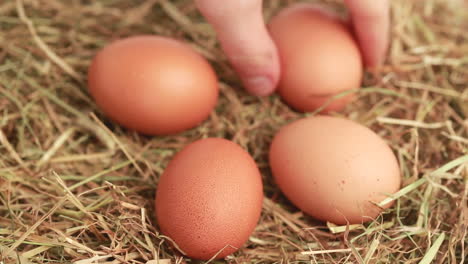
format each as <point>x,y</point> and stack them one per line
<point>76,188</point>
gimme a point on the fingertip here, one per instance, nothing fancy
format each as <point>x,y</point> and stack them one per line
<point>260,85</point>
<point>374,61</point>
<point>255,61</point>
<point>371,22</point>
<point>246,42</point>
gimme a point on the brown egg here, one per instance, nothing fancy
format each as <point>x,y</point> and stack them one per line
<point>153,85</point>
<point>334,169</point>
<point>209,198</point>
<point>319,58</point>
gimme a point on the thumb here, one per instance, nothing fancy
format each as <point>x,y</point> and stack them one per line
<point>245,40</point>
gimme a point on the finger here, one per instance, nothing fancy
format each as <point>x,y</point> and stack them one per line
<point>371,21</point>
<point>245,40</point>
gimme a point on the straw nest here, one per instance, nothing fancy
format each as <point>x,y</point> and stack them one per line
<point>76,188</point>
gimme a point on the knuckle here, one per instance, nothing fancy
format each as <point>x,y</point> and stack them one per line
<point>369,10</point>
<point>215,9</point>
<point>249,62</point>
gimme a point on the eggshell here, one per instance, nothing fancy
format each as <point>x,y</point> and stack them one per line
<point>334,169</point>
<point>209,198</point>
<point>153,85</point>
<point>319,57</point>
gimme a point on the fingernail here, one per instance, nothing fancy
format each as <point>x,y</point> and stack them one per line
<point>260,85</point>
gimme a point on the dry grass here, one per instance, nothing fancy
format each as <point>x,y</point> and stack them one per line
<point>75,188</point>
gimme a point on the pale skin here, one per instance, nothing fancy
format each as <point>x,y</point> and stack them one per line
<point>244,37</point>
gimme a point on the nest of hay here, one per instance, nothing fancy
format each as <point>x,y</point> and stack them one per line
<point>76,188</point>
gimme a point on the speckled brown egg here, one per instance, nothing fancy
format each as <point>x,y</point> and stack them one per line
<point>153,85</point>
<point>209,198</point>
<point>334,169</point>
<point>320,58</point>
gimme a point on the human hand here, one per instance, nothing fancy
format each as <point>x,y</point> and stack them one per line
<point>246,42</point>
